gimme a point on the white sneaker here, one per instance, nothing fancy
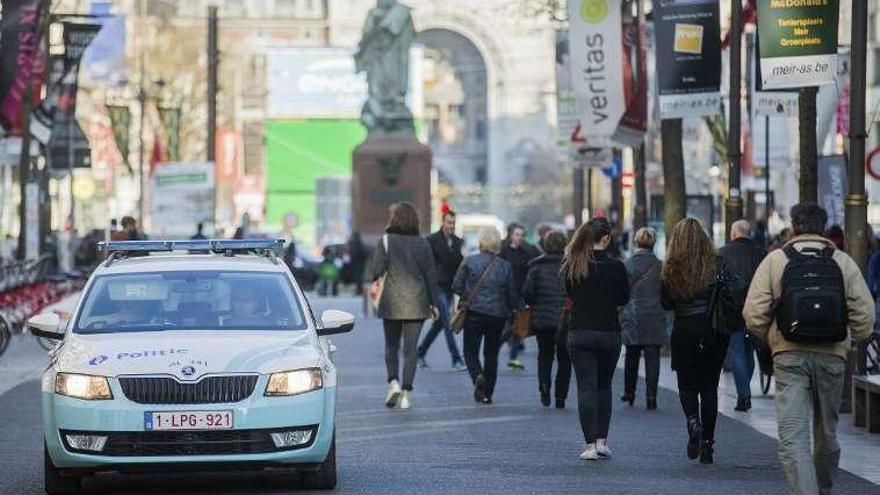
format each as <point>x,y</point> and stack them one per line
<point>590,453</point>
<point>393,394</point>
<point>602,449</point>
<point>404,400</point>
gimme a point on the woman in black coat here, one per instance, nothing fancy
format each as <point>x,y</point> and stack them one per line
<point>544,292</point>
<point>698,352</point>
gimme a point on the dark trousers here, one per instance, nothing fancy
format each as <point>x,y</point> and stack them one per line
<point>652,369</point>
<point>485,329</point>
<point>408,331</point>
<point>742,356</point>
<point>594,356</point>
<point>552,343</point>
<point>697,357</point>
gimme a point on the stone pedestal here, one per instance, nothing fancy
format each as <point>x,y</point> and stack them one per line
<point>388,170</point>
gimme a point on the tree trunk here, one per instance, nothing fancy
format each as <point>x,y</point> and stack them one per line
<point>674,189</point>
<point>808,148</point>
<point>640,213</point>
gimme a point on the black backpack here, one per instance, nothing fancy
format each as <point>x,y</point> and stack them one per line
<point>813,305</point>
<point>726,301</point>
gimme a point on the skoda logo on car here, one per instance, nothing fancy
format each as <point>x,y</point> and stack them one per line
<point>188,371</point>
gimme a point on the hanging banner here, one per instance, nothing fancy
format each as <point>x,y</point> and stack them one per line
<point>798,42</point>
<point>634,123</point>
<point>120,122</point>
<point>770,103</point>
<point>688,37</point>
<point>170,119</point>
<point>833,184</point>
<point>596,43</point>
<point>19,54</point>
<point>63,88</point>
<point>567,117</point>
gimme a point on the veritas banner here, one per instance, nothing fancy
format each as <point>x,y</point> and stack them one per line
<point>596,46</point>
<point>798,42</point>
<point>833,184</point>
<point>688,37</point>
<point>19,50</point>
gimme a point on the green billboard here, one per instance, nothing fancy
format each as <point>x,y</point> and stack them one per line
<point>298,153</point>
<point>797,42</point>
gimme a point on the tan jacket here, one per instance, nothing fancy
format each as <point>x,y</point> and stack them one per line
<point>766,290</point>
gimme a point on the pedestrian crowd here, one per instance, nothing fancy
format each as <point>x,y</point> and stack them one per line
<point>805,303</point>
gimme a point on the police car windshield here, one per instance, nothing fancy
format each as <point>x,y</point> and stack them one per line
<point>207,300</point>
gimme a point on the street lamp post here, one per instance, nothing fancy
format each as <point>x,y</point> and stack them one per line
<point>733,205</point>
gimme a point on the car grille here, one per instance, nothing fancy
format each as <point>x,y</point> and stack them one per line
<point>186,443</point>
<point>209,390</point>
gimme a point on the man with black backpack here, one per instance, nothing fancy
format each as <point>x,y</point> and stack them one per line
<point>809,302</point>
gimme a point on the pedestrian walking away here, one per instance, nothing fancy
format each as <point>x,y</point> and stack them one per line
<point>518,253</point>
<point>485,283</point>
<point>447,251</point>
<point>409,297</point>
<point>741,256</point>
<point>643,320</point>
<point>597,286</point>
<point>831,311</point>
<point>698,351</point>
<point>544,292</point>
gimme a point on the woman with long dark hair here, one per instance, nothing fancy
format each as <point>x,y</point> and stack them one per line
<point>697,350</point>
<point>408,298</point>
<point>597,285</point>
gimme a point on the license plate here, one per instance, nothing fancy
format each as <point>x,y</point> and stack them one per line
<point>188,420</point>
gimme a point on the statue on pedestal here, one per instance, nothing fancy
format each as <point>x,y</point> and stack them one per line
<point>383,54</point>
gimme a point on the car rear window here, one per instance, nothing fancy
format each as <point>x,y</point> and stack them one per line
<point>205,300</point>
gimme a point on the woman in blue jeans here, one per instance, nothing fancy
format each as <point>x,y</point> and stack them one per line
<point>597,285</point>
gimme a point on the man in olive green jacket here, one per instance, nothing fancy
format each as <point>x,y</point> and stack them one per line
<point>809,377</point>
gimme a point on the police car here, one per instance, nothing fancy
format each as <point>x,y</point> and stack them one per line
<point>196,360</point>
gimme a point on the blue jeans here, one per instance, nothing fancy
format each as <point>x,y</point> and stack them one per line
<point>742,356</point>
<point>444,299</point>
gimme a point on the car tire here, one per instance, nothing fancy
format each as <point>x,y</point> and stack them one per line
<point>325,477</point>
<point>55,481</point>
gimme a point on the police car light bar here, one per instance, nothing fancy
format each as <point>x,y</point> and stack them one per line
<point>192,245</point>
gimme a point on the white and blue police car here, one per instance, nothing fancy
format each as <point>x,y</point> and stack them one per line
<point>204,359</point>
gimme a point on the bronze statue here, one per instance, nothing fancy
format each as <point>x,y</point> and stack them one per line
<point>383,54</point>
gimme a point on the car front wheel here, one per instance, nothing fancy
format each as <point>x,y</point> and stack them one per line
<point>56,482</point>
<point>325,477</point>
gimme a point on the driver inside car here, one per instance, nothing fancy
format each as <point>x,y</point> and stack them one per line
<point>133,312</point>
<point>247,307</point>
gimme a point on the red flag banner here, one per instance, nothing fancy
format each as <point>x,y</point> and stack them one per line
<point>19,54</point>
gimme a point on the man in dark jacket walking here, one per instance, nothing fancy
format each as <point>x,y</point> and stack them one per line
<point>518,254</point>
<point>742,256</point>
<point>446,247</point>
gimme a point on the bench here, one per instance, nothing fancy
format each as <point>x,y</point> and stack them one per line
<point>866,402</point>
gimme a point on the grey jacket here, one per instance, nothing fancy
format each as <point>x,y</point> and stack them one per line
<point>497,296</point>
<point>410,278</point>
<point>643,320</point>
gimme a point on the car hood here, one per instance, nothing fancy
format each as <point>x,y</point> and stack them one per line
<point>188,355</point>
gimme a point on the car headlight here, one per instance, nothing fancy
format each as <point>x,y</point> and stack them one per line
<point>294,382</point>
<point>87,387</point>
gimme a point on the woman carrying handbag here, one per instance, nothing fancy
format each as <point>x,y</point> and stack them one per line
<point>485,284</point>
<point>405,266</point>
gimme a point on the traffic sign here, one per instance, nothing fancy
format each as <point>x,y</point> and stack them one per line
<point>873,164</point>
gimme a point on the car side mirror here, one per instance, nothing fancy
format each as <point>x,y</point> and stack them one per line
<point>46,325</point>
<point>334,322</point>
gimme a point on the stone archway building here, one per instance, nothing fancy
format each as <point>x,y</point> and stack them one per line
<point>518,54</point>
